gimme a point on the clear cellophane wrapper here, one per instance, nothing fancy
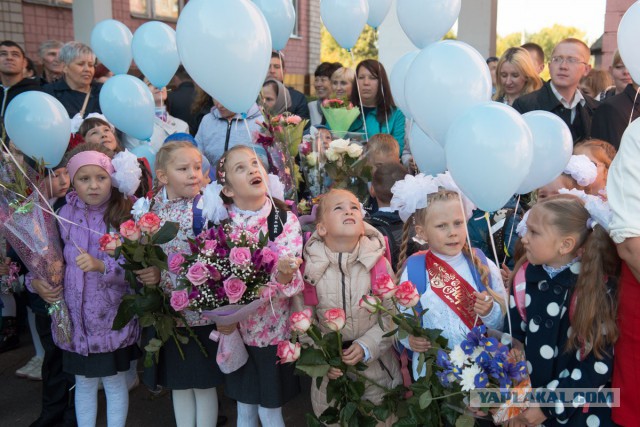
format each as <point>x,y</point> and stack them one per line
<point>34,235</point>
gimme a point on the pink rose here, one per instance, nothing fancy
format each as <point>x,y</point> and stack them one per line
<point>300,320</point>
<point>269,258</point>
<point>407,294</point>
<point>240,256</point>
<point>175,263</point>
<point>369,303</point>
<point>288,352</point>
<point>198,273</point>
<point>109,242</point>
<point>293,120</point>
<point>179,300</point>
<point>149,223</point>
<point>210,245</point>
<point>234,288</point>
<point>384,287</point>
<point>335,319</point>
<point>305,147</point>
<point>130,231</point>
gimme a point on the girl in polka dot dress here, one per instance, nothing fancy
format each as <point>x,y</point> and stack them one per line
<point>563,310</point>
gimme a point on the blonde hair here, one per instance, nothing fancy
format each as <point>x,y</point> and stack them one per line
<point>523,62</point>
<point>383,143</point>
<point>601,150</point>
<point>322,203</point>
<point>597,80</point>
<point>577,42</point>
<point>348,74</point>
<point>165,155</point>
<point>617,59</point>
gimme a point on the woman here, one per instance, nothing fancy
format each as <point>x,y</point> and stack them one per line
<point>378,108</point>
<point>275,97</point>
<point>620,75</point>
<point>324,89</point>
<point>76,90</point>
<point>515,76</point>
<point>342,81</point>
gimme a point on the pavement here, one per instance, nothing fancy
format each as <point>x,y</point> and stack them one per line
<point>20,399</point>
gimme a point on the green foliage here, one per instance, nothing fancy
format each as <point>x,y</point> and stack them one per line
<point>365,48</point>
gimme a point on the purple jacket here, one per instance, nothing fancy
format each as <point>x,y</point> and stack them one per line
<point>92,298</point>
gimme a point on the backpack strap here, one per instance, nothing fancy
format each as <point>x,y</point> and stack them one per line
<point>416,273</point>
<point>520,290</point>
<point>198,218</point>
<point>275,222</point>
<point>387,233</point>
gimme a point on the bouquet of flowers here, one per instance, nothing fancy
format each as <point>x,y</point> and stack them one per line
<point>226,277</point>
<point>9,283</point>
<point>347,167</point>
<point>311,164</point>
<point>340,114</point>
<point>484,362</point>
<point>139,244</point>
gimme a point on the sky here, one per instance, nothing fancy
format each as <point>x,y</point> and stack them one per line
<point>532,15</point>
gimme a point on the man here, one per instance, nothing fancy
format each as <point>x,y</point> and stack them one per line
<point>299,105</point>
<point>492,62</point>
<point>537,55</point>
<point>12,65</point>
<point>179,100</point>
<point>51,64</point>
<point>560,96</point>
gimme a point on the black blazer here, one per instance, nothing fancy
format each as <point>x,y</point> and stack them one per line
<point>544,99</point>
<point>612,116</point>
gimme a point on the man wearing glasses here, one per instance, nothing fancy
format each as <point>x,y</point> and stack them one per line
<point>560,96</point>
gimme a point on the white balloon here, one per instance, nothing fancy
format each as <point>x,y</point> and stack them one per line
<point>427,21</point>
<point>552,149</point>
<point>111,42</point>
<point>281,17</point>
<point>628,36</point>
<point>397,80</point>
<point>489,152</point>
<point>344,19</point>
<point>156,52</point>
<point>444,80</point>
<point>378,10</point>
<point>427,153</point>
<point>225,46</point>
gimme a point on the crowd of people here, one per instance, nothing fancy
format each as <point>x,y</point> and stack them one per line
<point>549,263</point>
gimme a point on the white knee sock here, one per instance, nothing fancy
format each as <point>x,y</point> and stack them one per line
<point>184,407</point>
<point>34,333</point>
<point>271,417</point>
<point>247,415</point>
<point>9,303</point>
<point>206,407</point>
<point>115,389</point>
<point>86,400</point>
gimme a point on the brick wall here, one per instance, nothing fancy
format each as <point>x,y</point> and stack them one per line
<point>296,53</point>
<point>11,21</point>
<point>614,13</point>
<point>45,23</point>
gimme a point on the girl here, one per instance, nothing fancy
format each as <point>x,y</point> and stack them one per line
<point>481,297</point>
<point>338,258</point>
<point>601,153</point>
<point>566,310</point>
<point>515,76</point>
<point>261,387</point>
<point>193,381</point>
<point>94,285</point>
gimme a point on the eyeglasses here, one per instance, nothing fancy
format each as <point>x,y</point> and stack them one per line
<point>559,60</point>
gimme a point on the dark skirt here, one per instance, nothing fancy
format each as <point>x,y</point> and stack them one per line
<point>194,371</point>
<point>97,365</point>
<point>262,381</point>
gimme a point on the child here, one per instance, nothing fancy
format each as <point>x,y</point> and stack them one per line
<point>94,285</point>
<point>479,295</point>
<point>580,173</point>
<point>601,153</point>
<point>192,381</point>
<point>565,315</point>
<point>261,387</point>
<point>338,258</point>
<point>381,149</point>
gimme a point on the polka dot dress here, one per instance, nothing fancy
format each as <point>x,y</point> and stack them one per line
<point>545,332</point>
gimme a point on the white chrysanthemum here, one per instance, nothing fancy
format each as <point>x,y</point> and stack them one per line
<point>468,377</point>
<point>458,357</point>
<point>140,207</point>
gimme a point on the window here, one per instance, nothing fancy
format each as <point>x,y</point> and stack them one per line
<point>68,3</point>
<point>296,30</point>
<point>156,9</point>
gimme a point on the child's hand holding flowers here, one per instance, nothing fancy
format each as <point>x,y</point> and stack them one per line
<point>483,304</point>
<point>286,268</point>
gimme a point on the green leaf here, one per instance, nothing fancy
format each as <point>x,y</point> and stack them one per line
<point>425,400</point>
<point>116,253</point>
<point>314,370</point>
<point>402,334</point>
<point>125,313</point>
<point>330,415</point>
<point>465,421</point>
<point>348,411</point>
<point>312,420</point>
<point>391,333</point>
<point>147,320</point>
<point>167,233</point>
<point>138,254</point>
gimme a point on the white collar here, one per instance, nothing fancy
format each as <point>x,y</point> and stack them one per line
<point>577,98</point>
<point>263,211</point>
<point>386,209</point>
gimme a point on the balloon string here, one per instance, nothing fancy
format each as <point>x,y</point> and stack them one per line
<point>384,98</point>
<point>513,225</point>
<point>286,94</point>
<point>364,122</point>
<point>634,103</point>
<point>414,170</point>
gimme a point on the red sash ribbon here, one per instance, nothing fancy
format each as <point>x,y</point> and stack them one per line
<point>453,289</point>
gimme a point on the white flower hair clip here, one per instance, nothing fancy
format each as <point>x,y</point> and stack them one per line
<point>582,169</point>
<point>410,194</point>
<point>214,208</point>
<point>140,207</point>
<point>276,188</point>
<point>126,177</point>
<point>446,181</point>
<point>599,210</point>
<point>521,229</point>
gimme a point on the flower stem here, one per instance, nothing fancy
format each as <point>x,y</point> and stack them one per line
<point>362,377</point>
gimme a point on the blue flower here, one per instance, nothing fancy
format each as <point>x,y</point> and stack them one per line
<point>518,371</point>
<point>475,335</point>
<point>490,344</point>
<point>457,372</point>
<point>468,347</point>
<point>442,360</point>
<point>483,360</point>
<point>444,378</point>
<point>481,380</point>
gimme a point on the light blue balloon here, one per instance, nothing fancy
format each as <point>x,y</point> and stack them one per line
<point>425,22</point>
<point>145,151</point>
<point>489,152</point>
<point>156,52</point>
<point>552,149</point>
<point>378,10</point>
<point>344,19</point>
<point>281,18</point>
<point>397,80</point>
<point>128,104</point>
<point>226,48</point>
<point>39,126</point>
<point>427,153</point>
<point>111,42</point>
<point>444,80</point>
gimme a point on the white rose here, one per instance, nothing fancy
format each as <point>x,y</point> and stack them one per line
<point>339,145</point>
<point>312,159</point>
<point>332,155</point>
<point>354,151</point>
